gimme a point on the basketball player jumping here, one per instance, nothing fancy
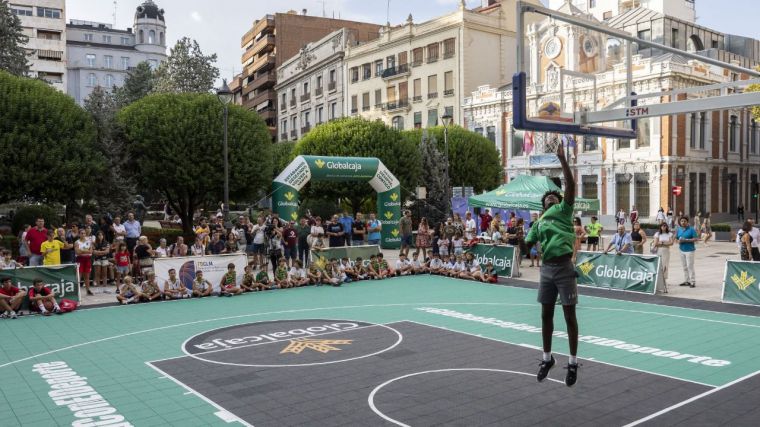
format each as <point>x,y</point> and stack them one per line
<point>554,231</point>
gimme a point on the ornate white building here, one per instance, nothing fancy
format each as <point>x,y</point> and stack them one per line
<point>713,155</point>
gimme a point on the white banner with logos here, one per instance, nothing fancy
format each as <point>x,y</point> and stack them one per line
<point>213,267</point>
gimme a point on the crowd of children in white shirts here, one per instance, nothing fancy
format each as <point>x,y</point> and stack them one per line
<point>333,272</point>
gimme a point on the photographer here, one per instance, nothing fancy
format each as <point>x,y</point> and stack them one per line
<point>274,235</point>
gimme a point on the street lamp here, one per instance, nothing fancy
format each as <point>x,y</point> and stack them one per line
<point>447,119</point>
<point>225,97</point>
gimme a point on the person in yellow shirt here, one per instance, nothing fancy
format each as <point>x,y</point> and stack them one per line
<point>51,249</point>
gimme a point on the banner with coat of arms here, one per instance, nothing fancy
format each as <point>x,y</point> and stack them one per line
<point>741,282</point>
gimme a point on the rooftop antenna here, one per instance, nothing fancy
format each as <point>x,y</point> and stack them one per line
<point>388,13</point>
<point>324,15</point>
<point>114,13</point>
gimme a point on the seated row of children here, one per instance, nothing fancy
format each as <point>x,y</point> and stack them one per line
<point>331,272</point>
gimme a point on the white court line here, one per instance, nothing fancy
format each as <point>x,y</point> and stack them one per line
<point>564,354</point>
<point>687,401</point>
<point>224,414</point>
<point>371,397</point>
<point>301,311</point>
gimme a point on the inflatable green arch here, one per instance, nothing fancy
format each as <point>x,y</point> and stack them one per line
<point>288,184</point>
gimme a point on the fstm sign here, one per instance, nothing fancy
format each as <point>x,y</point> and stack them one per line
<point>677,190</point>
<point>636,111</point>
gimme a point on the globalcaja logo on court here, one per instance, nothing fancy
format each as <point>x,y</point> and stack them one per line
<point>586,268</point>
<point>304,332</point>
<point>298,345</point>
<point>744,281</point>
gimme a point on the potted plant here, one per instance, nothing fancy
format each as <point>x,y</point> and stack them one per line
<point>723,232</point>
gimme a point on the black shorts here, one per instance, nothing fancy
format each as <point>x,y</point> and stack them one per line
<point>558,279</point>
<point>291,252</point>
<point>592,240</point>
<point>406,240</point>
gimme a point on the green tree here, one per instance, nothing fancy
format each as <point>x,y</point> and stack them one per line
<point>175,143</point>
<point>186,70</point>
<point>356,137</point>
<point>473,158</point>
<point>138,84</point>
<point>115,189</point>
<point>12,40</point>
<point>47,144</point>
<point>282,155</point>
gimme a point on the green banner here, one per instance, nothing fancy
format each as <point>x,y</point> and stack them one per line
<point>61,279</point>
<point>501,256</point>
<point>364,251</point>
<point>635,273</point>
<point>288,184</point>
<point>741,283</point>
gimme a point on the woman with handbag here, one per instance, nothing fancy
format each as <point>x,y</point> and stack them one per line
<point>661,242</point>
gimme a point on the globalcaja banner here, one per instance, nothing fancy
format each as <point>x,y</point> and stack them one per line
<point>352,252</point>
<point>501,256</point>
<point>63,279</point>
<point>635,273</point>
<point>741,283</point>
<point>214,267</point>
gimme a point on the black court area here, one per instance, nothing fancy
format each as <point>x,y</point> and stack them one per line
<point>336,372</point>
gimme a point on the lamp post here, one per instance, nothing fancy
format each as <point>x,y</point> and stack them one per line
<point>225,97</point>
<point>447,119</point>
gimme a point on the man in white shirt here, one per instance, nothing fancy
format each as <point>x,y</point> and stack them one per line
<point>173,288</point>
<point>403,266</point>
<point>755,233</point>
<point>470,228</point>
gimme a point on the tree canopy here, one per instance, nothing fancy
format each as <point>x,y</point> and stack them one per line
<point>13,56</point>
<point>175,143</point>
<point>473,158</point>
<point>433,178</point>
<point>47,144</point>
<point>138,84</point>
<point>186,70</point>
<point>357,137</point>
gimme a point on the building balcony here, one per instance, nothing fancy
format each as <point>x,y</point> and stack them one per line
<point>267,114</point>
<point>263,45</point>
<point>396,72</point>
<point>293,134</point>
<point>264,81</point>
<point>267,95</point>
<point>354,79</point>
<point>417,63</point>
<point>432,95</point>
<point>379,106</point>
<point>318,91</point>
<point>365,108</point>
<point>262,63</point>
<point>401,104</point>
<point>292,102</point>
<point>284,107</point>
<point>332,86</point>
<point>284,136</point>
<point>432,59</point>
<point>305,129</point>
<point>264,25</point>
<point>305,97</point>
<point>448,92</point>
<point>449,54</point>
<point>354,111</point>
<point>417,98</point>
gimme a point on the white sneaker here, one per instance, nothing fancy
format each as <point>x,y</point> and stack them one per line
<point>13,315</point>
<point>5,315</point>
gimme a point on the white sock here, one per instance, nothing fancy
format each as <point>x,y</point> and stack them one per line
<point>547,356</point>
<point>573,360</point>
<point>56,306</point>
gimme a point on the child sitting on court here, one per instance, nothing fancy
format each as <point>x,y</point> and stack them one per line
<point>281,274</point>
<point>347,267</point>
<point>385,269</point>
<point>362,273</point>
<point>228,285</point>
<point>42,299</point>
<point>418,267</point>
<point>403,266</point>
<point>262,282</point>
<point>149,288</point>
<point>333,276</point>
<point>173,288</point>
<point>314,274</point>
<point>297,275</point>
<point>452,268</point>
<point>374,268</point>
<point>247,285</point>
<point>489,275</point>
<point>128,294</point>
<point>436,265</point>
<point>476,271</point>
<point>464,267</point>
<point>201,286</point>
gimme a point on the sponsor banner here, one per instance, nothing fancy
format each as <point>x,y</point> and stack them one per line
<point>296,175</point>
<point>285,201</point>
<point>635,273</point>
<point>342,168</point>
<point>501,256</point>
<point>741,282</point>
<point>388,213</point>
<point>384,180</point>
<point>214,267</point>
<point>364,251</point>
<point>544,160</point>
<point>63,279</point>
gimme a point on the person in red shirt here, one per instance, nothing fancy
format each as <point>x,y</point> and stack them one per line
<point>11,298</point>
<point>121,259</point>
<point>34,238</point>
<point>290,240</point>
<point>42,299</point>
<point>485,220</point>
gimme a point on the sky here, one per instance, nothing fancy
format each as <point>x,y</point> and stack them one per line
<point>218,25</point>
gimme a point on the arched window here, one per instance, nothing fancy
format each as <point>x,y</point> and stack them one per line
<point>109,81</point>
<point>694,44</point>
<point>161,37</point>
<point>92,80</point>
<point>142,36</point>
<point>151,37</point>
<point>398,123</point>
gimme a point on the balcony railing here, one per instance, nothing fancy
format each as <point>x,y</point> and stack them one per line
<point>305,97</point>
<point>432,95</point>
<point>365,108</point>
<point>284,136</point>
<point>416,63</point>
<point>292,102</point>
<point>354,110</point>
<point>284,106</point>
<point>432,59</point>
<point>354,79</point>
<point>305,129</point>
<point>448,54</point>
<point>448,92</point>
<point>331,86</point>
<point>318,91</point>
<point>379,106</point>
<point>293,133</point>
<point>417,98</point>
<point>398,71</point>
<point>397,105</point>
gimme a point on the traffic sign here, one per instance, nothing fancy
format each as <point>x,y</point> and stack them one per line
<point>677,190</point>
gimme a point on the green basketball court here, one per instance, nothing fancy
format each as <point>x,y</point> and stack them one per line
<point>123,354</point>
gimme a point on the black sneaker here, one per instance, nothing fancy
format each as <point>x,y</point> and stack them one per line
<point>544,368</point>
<point>572,375</point>
<point>692,285</point>
<point>684,284</point>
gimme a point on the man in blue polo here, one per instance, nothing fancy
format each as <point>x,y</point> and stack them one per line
<point>133,229</point>
<point>374,227</point>
<point>686,236</point>
<point>621,241</point>
<point>348,225</point>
